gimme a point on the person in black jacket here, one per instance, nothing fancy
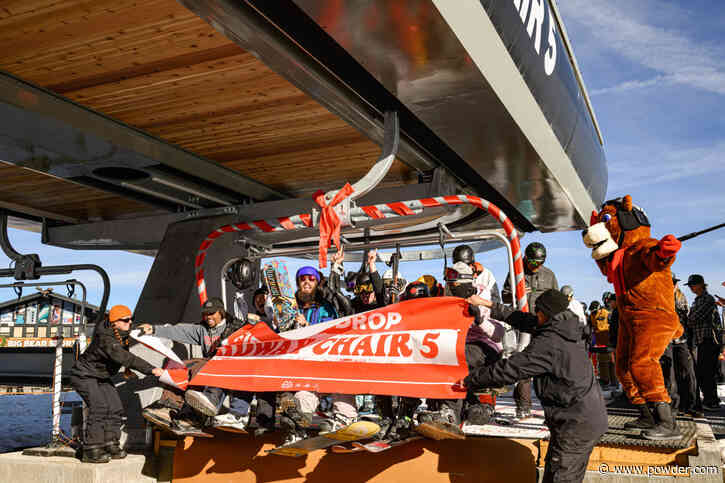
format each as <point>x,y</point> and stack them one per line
<point>91,378</point>
<point>563,380</point>
<point>369,288</point>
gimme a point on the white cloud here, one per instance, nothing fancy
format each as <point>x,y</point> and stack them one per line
<point>631,85</point>
<point>676,57</point>
<point>665,164</point>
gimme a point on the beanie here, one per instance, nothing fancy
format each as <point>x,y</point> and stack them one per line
<point>118,312</point>
<point>551,302</point>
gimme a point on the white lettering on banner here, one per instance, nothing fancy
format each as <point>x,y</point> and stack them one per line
<point>534,26</point>
<point>374,321</point>
<point>404,347</point>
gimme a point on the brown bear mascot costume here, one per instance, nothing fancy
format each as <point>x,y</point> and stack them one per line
<point>639,267</point>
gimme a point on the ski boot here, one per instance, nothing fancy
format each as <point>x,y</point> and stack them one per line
<point>441,424</point>
<point>199,401</point>
<point>335,422</point>
<point>186,417</point>
<point>479,414</point>
<point>666,426</point>
<point>231,421</point>
<point>523,412</point>
<point>95,454</point>
<point>115,451</point>
<point>293,421</point>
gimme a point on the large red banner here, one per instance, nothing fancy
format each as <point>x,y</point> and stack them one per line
<point>413,348</point>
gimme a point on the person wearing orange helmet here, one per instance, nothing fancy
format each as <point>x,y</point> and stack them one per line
<point>91,378</point>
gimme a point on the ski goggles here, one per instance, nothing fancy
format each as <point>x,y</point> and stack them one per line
<point>307,278</point>
<point>452,275</point>
<point>534,262</point>
<point>363,288</point>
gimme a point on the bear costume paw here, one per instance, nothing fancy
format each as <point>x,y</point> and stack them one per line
<point>668,246</point>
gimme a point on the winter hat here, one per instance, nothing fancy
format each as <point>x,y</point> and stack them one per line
<point>118,312</point>
<point>307,270</point>
<point>551,302</point>
<point>212,306</point>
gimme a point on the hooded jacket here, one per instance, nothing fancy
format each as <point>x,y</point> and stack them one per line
<point>105,355</point>
<point>563,375</point>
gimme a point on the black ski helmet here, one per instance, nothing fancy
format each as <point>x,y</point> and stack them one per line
<point>606,296</point>
<point>415,290</point>
<point>463,253</point>
<point>362,278</point>
<point>536,251</point>
<point>594,306</point>
<point>242,273</point>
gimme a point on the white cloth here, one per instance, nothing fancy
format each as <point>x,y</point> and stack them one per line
<point>241,307</point>
<point>484,283</point>
<point>576,307</point>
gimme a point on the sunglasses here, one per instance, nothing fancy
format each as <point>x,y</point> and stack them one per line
<point>451,275</point>
<point>125,319</point>
<point>308,278</point>
<point>365,287</point>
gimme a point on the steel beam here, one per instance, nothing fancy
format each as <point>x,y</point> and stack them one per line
<point>49,133</point>
<point>147,233</point>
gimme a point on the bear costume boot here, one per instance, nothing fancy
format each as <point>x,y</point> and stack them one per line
<point>644,421</point>
<point>666,428</point>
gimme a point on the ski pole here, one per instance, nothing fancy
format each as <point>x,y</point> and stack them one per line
<point>698,233</point>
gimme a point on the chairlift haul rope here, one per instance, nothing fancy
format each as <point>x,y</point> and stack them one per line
<point>375,212</point>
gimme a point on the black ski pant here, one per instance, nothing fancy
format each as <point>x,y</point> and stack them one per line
<point>668,375</point>
<point>706,355</point>
<point>105,411</point>
<point>684,366</point>
<point>477,355</point>
<point>567,458</point>
<point>241,401</point>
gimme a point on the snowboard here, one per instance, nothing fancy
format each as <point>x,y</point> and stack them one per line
<point>284,303</point>
<point>353,432</point>
<point>384,445</point>
<point>231,429</point>
<point>161,417</point>
<point>438,431</point>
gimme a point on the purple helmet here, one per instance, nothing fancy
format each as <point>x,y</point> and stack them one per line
<point>308,271</point>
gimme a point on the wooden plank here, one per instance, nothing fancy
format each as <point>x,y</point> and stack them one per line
<point>158,67</point>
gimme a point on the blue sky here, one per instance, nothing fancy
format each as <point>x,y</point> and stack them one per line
<point>655,71</point>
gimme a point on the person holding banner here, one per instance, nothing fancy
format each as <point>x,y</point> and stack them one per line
<point>91,378</point>
<point>563,380</point>
<point>298,408</point>
<point>217,324</point>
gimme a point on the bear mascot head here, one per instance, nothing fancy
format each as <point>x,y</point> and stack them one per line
<point>618,224</point>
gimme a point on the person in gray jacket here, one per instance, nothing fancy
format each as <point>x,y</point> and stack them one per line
<point>217,325</point>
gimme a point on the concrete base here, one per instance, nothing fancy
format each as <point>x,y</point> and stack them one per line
<point>56,469</point>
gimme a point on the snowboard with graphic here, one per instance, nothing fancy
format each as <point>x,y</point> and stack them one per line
<point>354,432</point>
<point>284,303</point>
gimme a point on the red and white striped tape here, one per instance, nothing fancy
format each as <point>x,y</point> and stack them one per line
<point>384,210</point>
